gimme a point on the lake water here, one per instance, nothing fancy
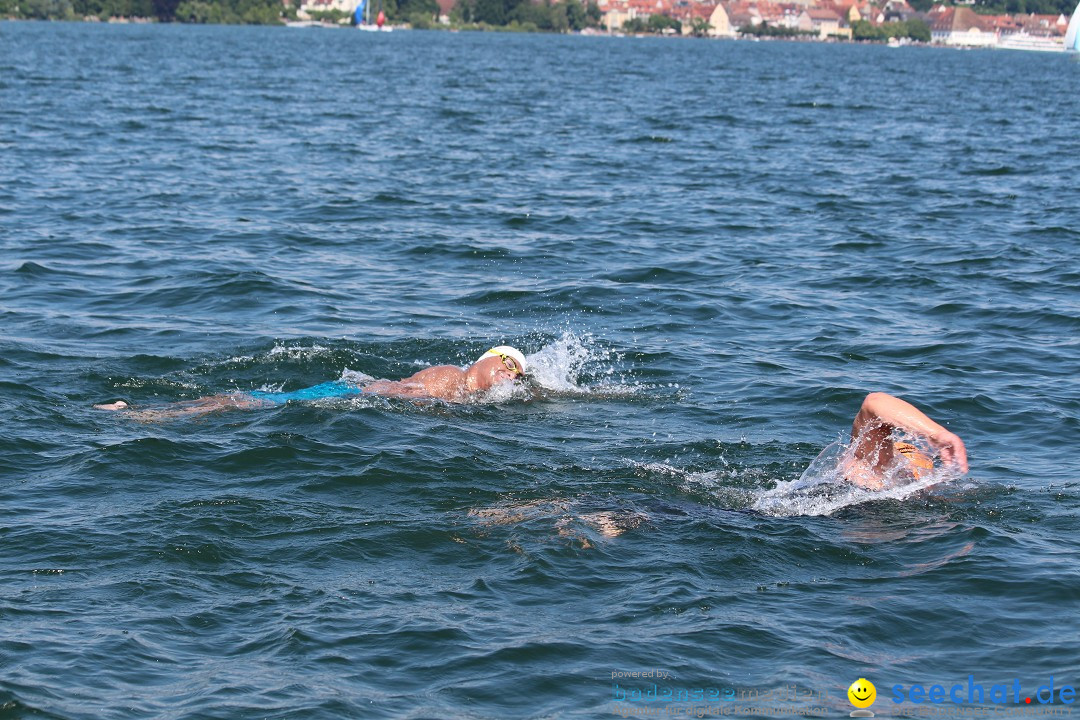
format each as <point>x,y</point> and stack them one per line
<point>710,251</point>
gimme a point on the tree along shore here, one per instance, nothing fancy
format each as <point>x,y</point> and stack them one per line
<point>524,15</point>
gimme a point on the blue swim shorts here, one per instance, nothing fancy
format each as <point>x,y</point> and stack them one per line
<point>334,389</point>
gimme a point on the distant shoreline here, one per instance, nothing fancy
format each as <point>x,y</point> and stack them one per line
<point>324,25</point>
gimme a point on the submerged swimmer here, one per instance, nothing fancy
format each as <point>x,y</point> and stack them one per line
<point>566,518</point>
<point>873,459</point>
<point>444,382</point>
<point>875,455</point>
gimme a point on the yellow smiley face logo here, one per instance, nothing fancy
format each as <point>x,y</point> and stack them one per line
<point>862,693</point>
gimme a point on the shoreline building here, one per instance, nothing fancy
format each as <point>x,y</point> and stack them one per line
<point>960,26</point>
<point>715,17</point>
<point>824,22</point>
<point>309,6</point>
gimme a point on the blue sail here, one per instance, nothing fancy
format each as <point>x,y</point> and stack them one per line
<point>358,14</point>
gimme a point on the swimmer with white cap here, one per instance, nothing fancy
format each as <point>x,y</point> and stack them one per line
<point>446,382</point>
<point>498,365</point>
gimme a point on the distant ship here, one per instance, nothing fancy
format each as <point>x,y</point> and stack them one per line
<point>1024,41</point>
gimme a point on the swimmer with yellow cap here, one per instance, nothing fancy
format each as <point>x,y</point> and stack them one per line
<point>501,364</point>
<point>875,454</point>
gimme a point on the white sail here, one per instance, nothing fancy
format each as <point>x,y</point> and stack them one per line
<point>1072,35</point>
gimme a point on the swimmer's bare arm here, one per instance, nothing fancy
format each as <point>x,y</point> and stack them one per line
<point>188,408</point>
<point>443,381</point>
<point>881,413</point>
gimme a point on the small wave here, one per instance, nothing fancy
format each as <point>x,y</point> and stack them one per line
<point>394,199</point>
<point>650,139</point>
<point>33,269</point>
<point>723,488</point>
<point>721,119</point>
<point>12,707</point>
<point>992,171</point>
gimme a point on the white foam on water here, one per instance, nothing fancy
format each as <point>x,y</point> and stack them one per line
<point>503,392</point>
<point>156,383</point>
<point>236,360</point>
<point>297,352</point>
<point>822,489</point>
<point>291,352</point>
<point>717,484</point>
<point>577,365</point>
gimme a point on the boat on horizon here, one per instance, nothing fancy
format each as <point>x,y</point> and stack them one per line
<point>362,15</point>
<point>1072,35</point>
<point>1026,41</point>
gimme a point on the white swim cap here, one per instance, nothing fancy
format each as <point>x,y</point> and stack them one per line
<point>513,352</point>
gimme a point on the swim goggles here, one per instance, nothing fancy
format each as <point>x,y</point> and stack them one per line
<point>511,364</point>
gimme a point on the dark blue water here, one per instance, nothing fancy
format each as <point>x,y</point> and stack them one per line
<point>711,251</point>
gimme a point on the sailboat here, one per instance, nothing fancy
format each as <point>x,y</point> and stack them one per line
<point>1072,35</point>
<point>359,16</point>
<point>363,18</point>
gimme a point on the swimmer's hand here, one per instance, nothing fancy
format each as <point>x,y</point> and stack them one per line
<point>950,448</point>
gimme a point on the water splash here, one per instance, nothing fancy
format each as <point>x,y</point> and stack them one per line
<point>577,365</point>
<point>571,364</point>
<point>823,490</point>
<point>298,352</point>
<point>503,393</point>
<point>280,351</point>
